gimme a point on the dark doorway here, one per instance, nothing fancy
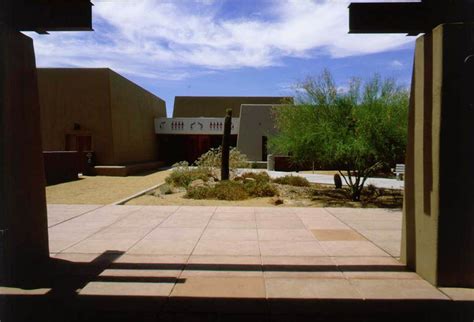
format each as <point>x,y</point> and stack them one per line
<point>78,142</point>
<point>175,148</point>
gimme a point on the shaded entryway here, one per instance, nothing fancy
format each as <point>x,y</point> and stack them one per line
<point>176,148</point>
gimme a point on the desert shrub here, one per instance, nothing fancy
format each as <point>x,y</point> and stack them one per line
<point>166,189</point>
<point>260,189</point>
<point>201,192</point>
<point>230,190</point>
<point>293,181</point>
<point>258,176</point>
<point>182,175</point>
<point>212,159</point>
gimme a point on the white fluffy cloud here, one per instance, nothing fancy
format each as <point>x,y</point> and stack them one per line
<point>181,38</point>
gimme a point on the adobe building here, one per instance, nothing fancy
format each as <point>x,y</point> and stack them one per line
<point>197,125</point>
<point>98,110</point>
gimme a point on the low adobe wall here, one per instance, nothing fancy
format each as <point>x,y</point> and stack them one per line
<point>61,166</point>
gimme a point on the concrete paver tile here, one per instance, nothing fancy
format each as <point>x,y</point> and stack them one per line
<point>291,248</point>
<point>236,224</point>
<point>218,234</point>
<point>396,289</point>
<point>459,294</point>
<point>127,289</point>
<point>175,234</point>
<point>223,287</point>
<point>285,234</point>
<point>332,223</point>
<point>351,248</point>
<point>241,248</point>
<point>280,224</point>
<point>101,245</point>
<point>313,262</point>
<point>234,216</point>
<point>366,261</point>
<point>310,288</point>
<point>225,260</point>
<point>337,234</point>
<point>163,247</point>
<point>382,235</point>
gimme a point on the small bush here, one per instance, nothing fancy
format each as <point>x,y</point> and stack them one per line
<point>183,175</point>
<point>258,176</point>
<point>260,189</point>
<point>230,190</point>
<point>165,189</point>
<point>212,159</point>
<point>202,192</point>
<point>296,181</point>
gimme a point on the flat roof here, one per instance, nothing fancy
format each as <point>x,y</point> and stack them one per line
<point>216,106</point>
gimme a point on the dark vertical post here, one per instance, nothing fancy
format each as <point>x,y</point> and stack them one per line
<point>226,145</point>
<point>23,219</point>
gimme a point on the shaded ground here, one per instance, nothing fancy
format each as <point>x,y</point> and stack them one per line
<point>102,190</point>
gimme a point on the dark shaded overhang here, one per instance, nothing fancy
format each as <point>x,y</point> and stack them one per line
<point>410,18</point>
<point>51,15</point>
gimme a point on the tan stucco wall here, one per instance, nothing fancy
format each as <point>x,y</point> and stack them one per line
<point>118,113</point>
<point>256,121</point>
<point>215,106</point>
<point>76,95</point>
<point>133,112</point>
<point>438,232</point>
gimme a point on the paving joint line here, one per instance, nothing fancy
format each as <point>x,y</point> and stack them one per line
<point>192,251</point>
<point>77,216</point>
<point>356,230</point>
<point>149,232</point>
<point>100,230</point>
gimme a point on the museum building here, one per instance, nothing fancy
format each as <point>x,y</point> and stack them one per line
<point>97,110</point>
<point>197,126</point>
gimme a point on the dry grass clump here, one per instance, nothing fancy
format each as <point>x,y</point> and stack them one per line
<point>296,181</point>
<point>182,175</point>
<point>262,177</point>
<point>244,187</point>
<point>224,190</point>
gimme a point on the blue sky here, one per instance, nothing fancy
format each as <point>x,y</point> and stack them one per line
<point>226,47</point>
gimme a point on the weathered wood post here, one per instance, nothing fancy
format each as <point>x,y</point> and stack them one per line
<point>226,145</point>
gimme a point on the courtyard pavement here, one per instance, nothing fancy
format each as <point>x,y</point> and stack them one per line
<point>240,252</point>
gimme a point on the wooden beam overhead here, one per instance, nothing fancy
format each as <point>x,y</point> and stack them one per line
<point>387,18</point>
<point>408,17</point>
<point>51,15</point>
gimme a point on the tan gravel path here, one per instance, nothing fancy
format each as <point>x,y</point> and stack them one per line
<point>101,190</point>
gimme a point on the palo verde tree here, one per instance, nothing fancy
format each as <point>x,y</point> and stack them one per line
<point>356,131</point>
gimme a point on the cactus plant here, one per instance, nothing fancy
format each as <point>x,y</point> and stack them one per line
<point>337,181</point>
<point>226,145</point>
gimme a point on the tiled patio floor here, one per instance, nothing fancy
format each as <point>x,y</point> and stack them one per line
<point>240,252</point>
<point>260,260</point>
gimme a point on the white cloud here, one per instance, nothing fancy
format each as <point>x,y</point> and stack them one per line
<point>167,39</point>
<point>396,64</point>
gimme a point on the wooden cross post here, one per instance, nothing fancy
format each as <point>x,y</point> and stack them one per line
<point>438,225</point>
<point>23,219</point>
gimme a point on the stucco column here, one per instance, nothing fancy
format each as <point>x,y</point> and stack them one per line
<point>438,232</point>
<point>23,219</point>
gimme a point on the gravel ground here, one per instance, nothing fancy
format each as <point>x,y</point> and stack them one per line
<point>101,190</point>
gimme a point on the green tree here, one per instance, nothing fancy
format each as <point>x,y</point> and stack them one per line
<point>357,130</point>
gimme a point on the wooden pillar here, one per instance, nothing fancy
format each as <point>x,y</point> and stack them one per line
<point>23,219</point>
<point>438,232</point>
